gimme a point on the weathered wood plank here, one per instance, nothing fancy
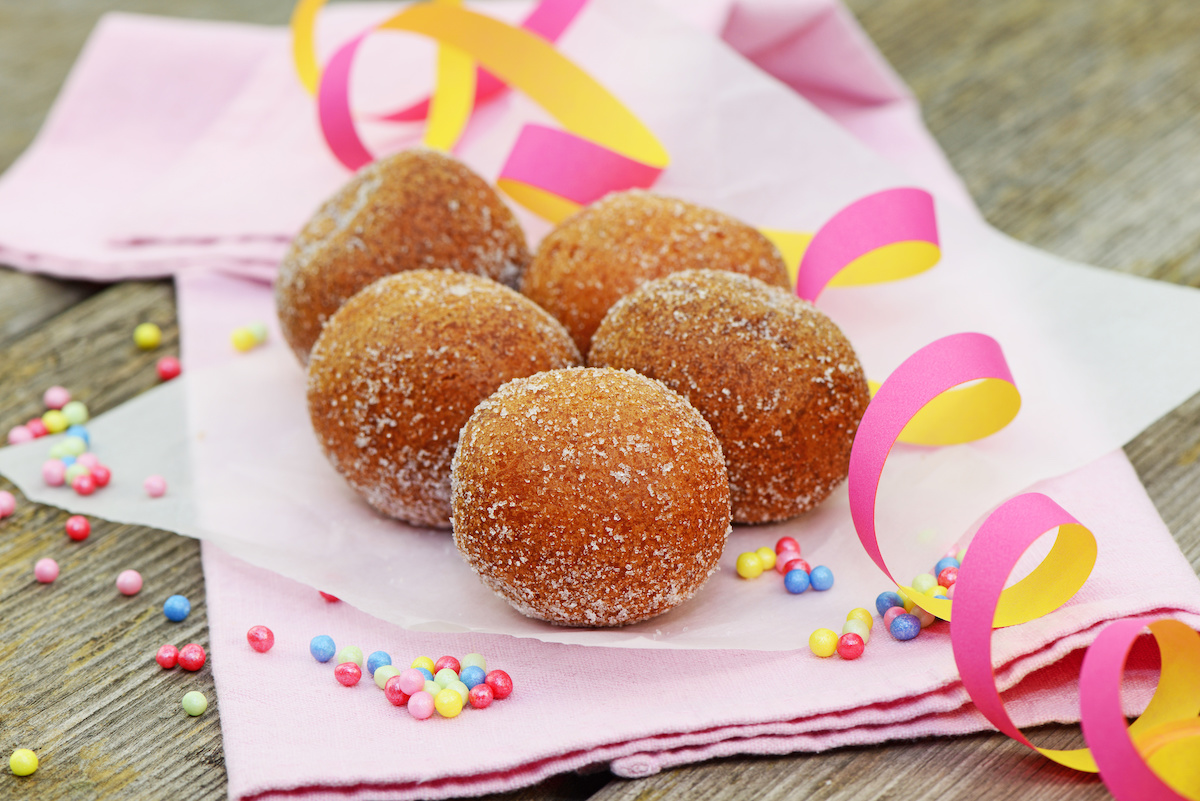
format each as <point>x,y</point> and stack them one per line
<point>28,300</point>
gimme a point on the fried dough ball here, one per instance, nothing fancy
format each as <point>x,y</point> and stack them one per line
<point>590,497</point>
<point>608,249</point>
<point>418,209</point>
<point>399,369</point>
<point>777,380</point>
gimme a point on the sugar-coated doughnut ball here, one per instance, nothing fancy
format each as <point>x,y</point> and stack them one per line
<point>608,249</point>
<point>401,366</point>
<point>590,497</point>
<point>418,209</point>
<point>777,380</point>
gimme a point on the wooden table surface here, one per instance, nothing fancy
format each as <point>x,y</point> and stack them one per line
<point>1076,125</point>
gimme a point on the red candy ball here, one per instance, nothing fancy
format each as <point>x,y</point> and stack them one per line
<point>796,564</point>
<point>84,485</point>
<point>347,674</point>
<point>500,682</point>
<point>787,544</point>
<point>393,692</point>
<point>191,657</point>
<point>37,427</point>
<point>168,368</point>
<point>446,662</point>
<point>78,527</point>
<point>481,696</point>
<point>948,576</point>
<point>782,558</point>
<point>260,638</point>
<point>850,646</point>
<point>101,475</point>
<point>167,656</point>
<point>333,599</point>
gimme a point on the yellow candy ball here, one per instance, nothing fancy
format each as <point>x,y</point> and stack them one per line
<point>147,336</point>
<point>448,703</point>
<point>863,615</point>
<point>243,339</point>
<point>749,565</point>
<point>856,626</point>
<point>767,557</point>
<point>423,662</point>
<point>22,762</point>
<point>908,602</point>
<point>55,421</point>
<point>823,642</point>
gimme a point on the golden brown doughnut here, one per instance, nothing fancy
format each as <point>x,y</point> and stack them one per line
<point>590,497</point>
<point>777,380</point>
<point>607,249</point>
<point>418,209</point>
<point>398,370</point>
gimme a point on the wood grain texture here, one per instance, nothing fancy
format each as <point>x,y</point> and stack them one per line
<point>1074,126</point>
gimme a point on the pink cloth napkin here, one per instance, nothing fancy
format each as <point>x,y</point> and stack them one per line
<point>288,728</point>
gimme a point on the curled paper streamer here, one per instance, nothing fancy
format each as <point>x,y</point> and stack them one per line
<point>595,120</point>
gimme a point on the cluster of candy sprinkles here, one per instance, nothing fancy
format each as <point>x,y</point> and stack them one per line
<point>903,618</point>
<point>856,633</point>
<point>248,337</point>
<point>798,576</point>
<point>444,686</point>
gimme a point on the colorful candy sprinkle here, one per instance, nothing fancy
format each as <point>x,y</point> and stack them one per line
<point>475,660</point>
<point>924,582</point>
<point>472,675</point>
<point>945,562</point>
<point>821,578</point>
<point>395,692</point>
<point>261,638</point>
<point>766,557</point>
<point>167,656</point>
<point>101,475</point>
<point>447,662</point>
<point>448,703</point>
<point>892,614</point>
<point>424,662</point>
<point>948,576</point>
<point>177,608</point>
<point>445,676</point>
<point>129,582</point>
<point>56,397</point>
<point>905,627</point>
<point>8,504</point>
<point>796,581</point>
<point>351,653</point>
<point>147,336</point>
<point>850,646</point>
<point>76,413</point>
<point>322,648</point>
<point>749,565</point>
<point>378,659</point>
<point>18,434</point>
<point>412,681</point>
<point>23,762</point>
<point>886,601</point>
<point>501,684</point>
<point>78,528</point>
<point>481,696</point>
<point>155,486</point>
<point>348,674</point>
<point>84,485</point>
<point>37,427</point>
<point>55,421</point>
<point>191,657</point>
<point>383,674</point>
<point>856,626</point>
<point>823,642</point>
<point>420,705</point>
<point>194,703</point>
<point>45,570</point>
<point>168,367</point>
<point>243,339</point>
<point>861,614</point>
<point>787,544</point>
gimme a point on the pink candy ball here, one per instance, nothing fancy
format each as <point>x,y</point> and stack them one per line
<point>783,557</point>
<point>101,475</point>
<point>45,571</point>
<point>891,615</point>
<point>129,582</point>
<point>420,706</point>
<point>56,397</point>
<point>88,460</point>
<point>8,504</point>
<point>260,638</point>
<point>54,473</point>
<point>155,486</point>
<point>412,681</point>
<point>19,434</point>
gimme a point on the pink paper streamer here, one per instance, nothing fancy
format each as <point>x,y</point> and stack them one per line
<point>548,20</point>
<point>875,221</point>
<point>574,168</point>
<point>935,368</point>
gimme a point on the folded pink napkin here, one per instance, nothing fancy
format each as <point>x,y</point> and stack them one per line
<point>134,207</point>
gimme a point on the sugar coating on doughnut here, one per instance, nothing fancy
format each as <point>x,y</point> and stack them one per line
<point>777,380</point>
<point>399,369</point>
<point>607,249</point>
<point>590,497</point>
<point>418,209</point>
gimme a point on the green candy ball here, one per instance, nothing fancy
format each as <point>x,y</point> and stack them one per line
<point>194,703</point>
<point>383,673</point>
<point>76,413</point>
<point>351,653</point>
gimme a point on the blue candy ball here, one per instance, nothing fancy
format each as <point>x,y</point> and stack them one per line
<point>905,627</point>
<point>428,673</point>
<point>177,608</point>
<point>942,564</point>
<point>377,660</point>
<point>886,601</point>
<point>322,648</point>
<point>81,432</point>
<point>68,460</point>
<point>472,675</point>
<point>821,578</point>
<point>795,581</point>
